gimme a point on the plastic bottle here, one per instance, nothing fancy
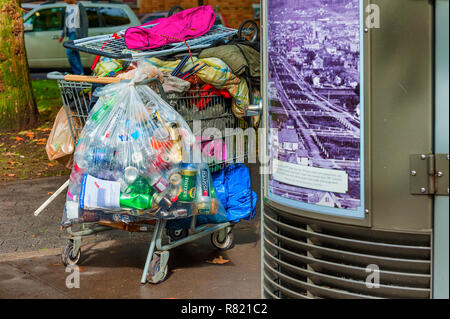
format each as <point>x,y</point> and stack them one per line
<point>139,195</point>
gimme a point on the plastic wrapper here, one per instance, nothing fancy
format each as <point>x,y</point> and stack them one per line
<point>106,65</point>
<point>132,159</point>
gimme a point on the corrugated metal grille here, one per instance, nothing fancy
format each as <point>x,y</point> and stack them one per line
<point>305,258</point>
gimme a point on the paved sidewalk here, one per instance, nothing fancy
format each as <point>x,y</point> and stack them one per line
<point>113,270</point>
<point>20,230</point>
<point>112,261</point>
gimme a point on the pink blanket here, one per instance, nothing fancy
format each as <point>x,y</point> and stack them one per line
<point>187,24</point>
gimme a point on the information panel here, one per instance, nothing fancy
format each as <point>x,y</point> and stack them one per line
<point>315,105</point>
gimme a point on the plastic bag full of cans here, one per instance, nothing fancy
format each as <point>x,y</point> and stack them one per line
<point>132,159</point>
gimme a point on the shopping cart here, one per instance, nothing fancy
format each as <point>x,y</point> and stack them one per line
<point>76,93</point>
<point>113,45</point>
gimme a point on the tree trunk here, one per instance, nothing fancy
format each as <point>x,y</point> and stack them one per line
<point>17,105</point>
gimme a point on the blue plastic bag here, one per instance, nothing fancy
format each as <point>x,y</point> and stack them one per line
<point>241,200</point>
<point>233,189</point>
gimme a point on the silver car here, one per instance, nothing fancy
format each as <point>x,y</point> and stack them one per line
<point>43,26</point>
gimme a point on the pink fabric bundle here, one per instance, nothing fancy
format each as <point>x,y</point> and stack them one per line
<point>212,149</point>
<point>187,24</point>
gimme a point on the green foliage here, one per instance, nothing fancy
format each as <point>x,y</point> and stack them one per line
<point>48,98</point>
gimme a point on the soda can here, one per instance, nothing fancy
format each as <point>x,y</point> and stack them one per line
<point>175,178</point>
<point>205,185</point>
<point>174,133</point>
<point>188,184</point>
<point>158,163</point>
<point>206,206</point>
<point>162,201</point>
<point>156,118</point>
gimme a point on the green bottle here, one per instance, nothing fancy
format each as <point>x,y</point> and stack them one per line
<point>103,111</point>
<point>136,201</point>
<point>138,195</point>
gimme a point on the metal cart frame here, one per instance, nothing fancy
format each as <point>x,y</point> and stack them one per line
<point>113,45</point>
<point>155,269</point>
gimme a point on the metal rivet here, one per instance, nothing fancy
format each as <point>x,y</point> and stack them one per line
<point>440,174</point>
<point>367,211</point>
<point>413,173</point>
<point>366,30</point>
<point>423,156</point>
<point>423,190</point>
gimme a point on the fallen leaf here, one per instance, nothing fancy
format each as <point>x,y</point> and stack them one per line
<point>51,164</point>
<point>218,261</point>
<point>50,193</point>
<point>13,163</point>
<point>30,135</point>
<point>9,154</point>
<point>17,138</point>
<point>57,265</point>
<point>11,175</point>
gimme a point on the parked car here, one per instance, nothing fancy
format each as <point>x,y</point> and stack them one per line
<point>43,26</point>
<point>27,7</point>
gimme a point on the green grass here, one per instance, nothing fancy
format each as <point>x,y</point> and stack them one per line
<point>48,98</point>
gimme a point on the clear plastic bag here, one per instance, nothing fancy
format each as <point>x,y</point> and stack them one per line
<point>132,158</point>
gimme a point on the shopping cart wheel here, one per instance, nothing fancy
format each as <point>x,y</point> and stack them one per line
<point>177,234</point>
<point>222,244</point>
<point>174,10</point>
<point>158,269</point>
<point>67,257</point>
<point>248,30</point>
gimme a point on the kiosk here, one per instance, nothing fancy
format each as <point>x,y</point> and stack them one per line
<point>356,150</point>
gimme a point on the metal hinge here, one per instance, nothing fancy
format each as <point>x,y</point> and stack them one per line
<point>429,174</point>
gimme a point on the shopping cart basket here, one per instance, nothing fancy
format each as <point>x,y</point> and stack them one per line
<point>76,93</point>
<point>113,45</point>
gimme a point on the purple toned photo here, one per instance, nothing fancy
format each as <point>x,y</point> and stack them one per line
<point>314,101</point>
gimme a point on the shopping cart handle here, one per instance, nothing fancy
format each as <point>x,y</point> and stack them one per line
<point>91,79</point>
<point>55,75</point>
<point>253,110</point>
